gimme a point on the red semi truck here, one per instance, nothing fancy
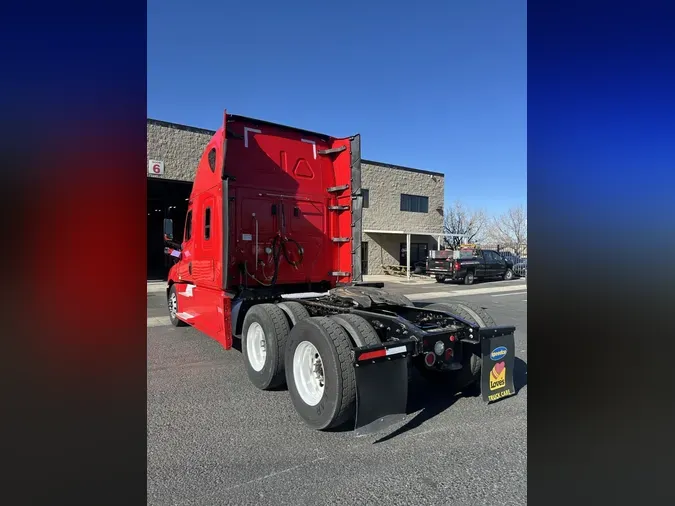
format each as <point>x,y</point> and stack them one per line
<point>271,257</point>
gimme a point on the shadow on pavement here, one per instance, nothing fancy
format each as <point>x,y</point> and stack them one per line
<point>433,399</point>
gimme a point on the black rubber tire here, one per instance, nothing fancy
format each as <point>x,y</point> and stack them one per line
<point>338,404</point>
<point>467,311</point>
<point>275,325</point>
<point>294,311</point>
<point>359,330</point>
<point>508,275</point>
<point>469,375</point>
<point>469,278</point>
<point>175,321</point>
<point>440,279</point>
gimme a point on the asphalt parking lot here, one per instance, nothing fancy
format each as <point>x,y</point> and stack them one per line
<point>215,439</point>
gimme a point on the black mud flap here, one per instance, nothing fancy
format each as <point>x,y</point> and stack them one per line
<point>381,387</point>
<point>498,354</point>
<point>381,395</point>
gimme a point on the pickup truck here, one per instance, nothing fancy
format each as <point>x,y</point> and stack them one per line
<point>483,264</point>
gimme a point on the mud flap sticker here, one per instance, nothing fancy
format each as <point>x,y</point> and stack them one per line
<point>497,370</point>
<point>381,395</point>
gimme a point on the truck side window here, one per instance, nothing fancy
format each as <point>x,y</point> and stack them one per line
<point>207,223</point>
<point>188,226</point>
<point>212,159</point>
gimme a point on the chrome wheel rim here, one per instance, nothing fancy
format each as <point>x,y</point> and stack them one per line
<point>308,373</point>
<point>256,346</point>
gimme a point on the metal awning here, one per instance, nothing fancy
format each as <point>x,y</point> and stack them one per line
<point>407,240</point>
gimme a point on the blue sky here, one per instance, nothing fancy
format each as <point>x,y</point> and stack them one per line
<point>440,87</point>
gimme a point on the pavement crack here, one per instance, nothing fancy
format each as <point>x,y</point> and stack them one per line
<point>266,477</point>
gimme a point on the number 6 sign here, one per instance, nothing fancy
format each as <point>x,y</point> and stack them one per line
<point>155,167</point>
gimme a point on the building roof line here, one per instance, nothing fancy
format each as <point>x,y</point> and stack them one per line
<point>179,126</point>
<point>402,167</point>
<point>413,232</point>
<point>188,128</point>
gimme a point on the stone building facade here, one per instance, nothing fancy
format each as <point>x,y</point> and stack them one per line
<point>390,216</point>
<point>398,201</point>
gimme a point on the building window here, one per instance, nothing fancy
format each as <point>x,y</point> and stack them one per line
<point>414,203</point>
<point>364,258</point>
<point>366,198</point>
<point>188,226</point>
<point>207,223</point>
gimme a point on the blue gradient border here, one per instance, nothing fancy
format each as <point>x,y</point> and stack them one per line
<point>601,174</point>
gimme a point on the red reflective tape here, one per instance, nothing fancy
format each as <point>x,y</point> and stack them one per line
<point>369,355</point>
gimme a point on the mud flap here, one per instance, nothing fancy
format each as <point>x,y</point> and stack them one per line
<point>381,395</point>
<point>498,354</point>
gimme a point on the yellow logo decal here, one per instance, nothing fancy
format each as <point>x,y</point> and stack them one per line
<point>498,376</point>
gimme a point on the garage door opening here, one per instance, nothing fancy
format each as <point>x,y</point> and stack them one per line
<point>166,199</point>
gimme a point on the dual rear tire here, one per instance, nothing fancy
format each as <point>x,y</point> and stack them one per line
<point>281,344</point>
<point>264,337</point>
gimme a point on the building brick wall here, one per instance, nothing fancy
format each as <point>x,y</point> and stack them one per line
<point>385,184</point>
<point>179,148</point>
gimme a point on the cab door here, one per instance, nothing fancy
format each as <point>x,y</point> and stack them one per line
<point>494,263</point>
<point>187,249</point>
<point>202,302</point>
<point>205,251</point>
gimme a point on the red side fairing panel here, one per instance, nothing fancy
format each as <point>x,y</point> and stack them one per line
<point>199,274</point>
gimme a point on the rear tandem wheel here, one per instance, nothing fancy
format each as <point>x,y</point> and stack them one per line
<point>263,340</point>
<point>320,374</point>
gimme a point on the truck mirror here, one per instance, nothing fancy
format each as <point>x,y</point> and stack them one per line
<point>168,229</point>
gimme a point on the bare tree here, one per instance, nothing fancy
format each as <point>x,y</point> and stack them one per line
<point>468,223</point>
<point>510,229</point>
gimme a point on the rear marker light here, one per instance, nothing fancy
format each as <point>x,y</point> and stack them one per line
<point>430,359</point>
<point>452,339</point>
<point>448,354</point>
